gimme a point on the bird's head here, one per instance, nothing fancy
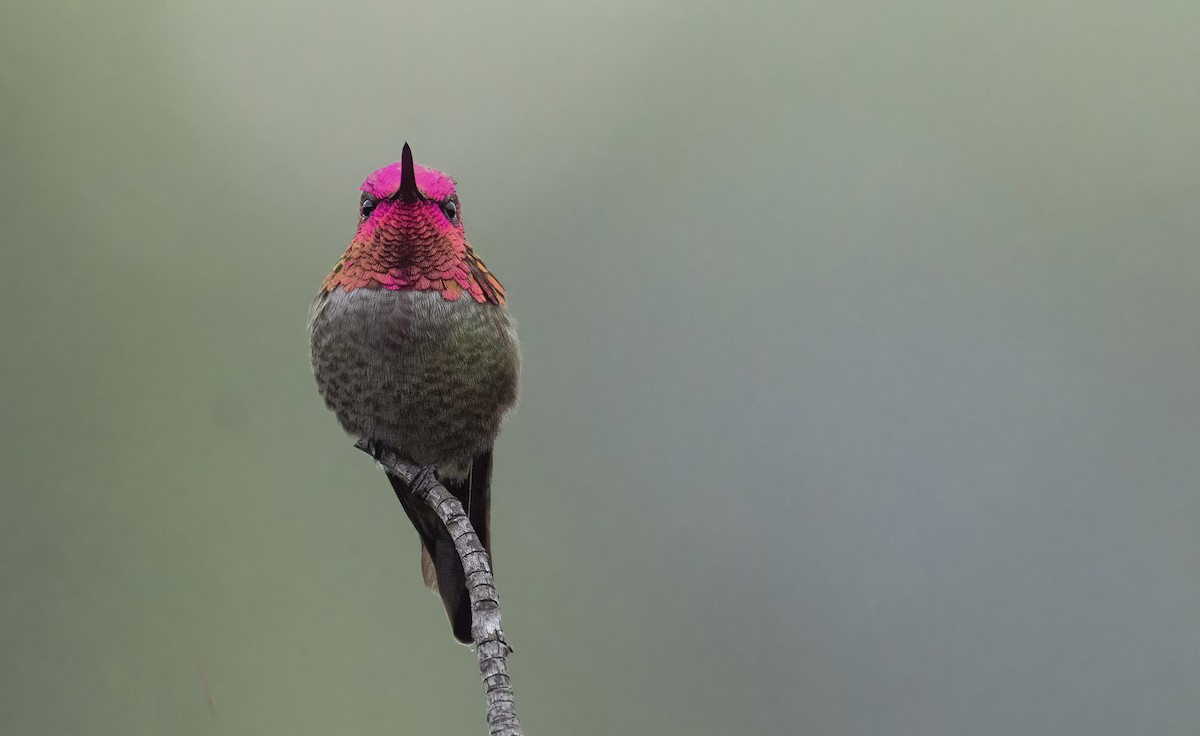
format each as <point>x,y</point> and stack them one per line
<point>410,236</point>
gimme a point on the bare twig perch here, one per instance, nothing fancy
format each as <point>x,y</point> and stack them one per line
<point>493,651</point>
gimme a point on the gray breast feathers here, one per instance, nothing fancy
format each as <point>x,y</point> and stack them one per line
<point>433,378</point>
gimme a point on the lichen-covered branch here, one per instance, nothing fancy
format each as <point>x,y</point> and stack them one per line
<point>493,651</point>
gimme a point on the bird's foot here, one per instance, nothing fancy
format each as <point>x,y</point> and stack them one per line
<point>424,481</point>
<point>373,447</point>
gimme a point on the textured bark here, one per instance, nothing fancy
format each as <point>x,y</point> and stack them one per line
<point>490,646</point>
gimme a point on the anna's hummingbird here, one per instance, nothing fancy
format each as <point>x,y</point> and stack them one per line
<point>413,347</point>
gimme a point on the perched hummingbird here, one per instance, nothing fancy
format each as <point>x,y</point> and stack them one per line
<point>413,347</point>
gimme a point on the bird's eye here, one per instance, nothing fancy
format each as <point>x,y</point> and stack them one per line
<point>366,205</point>
<point>450,207</point>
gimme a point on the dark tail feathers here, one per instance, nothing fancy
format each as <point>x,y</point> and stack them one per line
<point>440,565</point>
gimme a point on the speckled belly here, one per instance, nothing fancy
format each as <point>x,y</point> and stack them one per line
<point>431,377</point>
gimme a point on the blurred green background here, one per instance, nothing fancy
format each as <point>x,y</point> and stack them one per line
<point>861,366</point>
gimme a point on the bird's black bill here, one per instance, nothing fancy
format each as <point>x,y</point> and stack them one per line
<point>408,191</point>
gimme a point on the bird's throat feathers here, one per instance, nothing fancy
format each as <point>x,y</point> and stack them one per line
<point>385,264</point>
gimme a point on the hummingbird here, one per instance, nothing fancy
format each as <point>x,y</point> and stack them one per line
<point>413,347</point>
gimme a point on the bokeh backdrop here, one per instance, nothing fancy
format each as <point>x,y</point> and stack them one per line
<point>862,347</point>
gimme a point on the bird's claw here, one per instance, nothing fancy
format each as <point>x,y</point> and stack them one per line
<point>375,447</point>
<point>372,447</point>
<point>424,481</point>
